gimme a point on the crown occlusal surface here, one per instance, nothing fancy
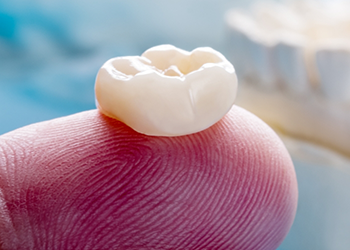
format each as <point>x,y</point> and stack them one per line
<point>167,91</point>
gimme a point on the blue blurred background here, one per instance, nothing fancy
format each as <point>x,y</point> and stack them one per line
<point>51,50</point>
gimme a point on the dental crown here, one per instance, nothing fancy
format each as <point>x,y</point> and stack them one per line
<point>167,91</point>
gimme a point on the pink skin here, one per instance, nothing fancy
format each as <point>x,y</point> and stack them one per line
<point>90,182</point>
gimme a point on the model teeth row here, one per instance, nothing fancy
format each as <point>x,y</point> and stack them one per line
<point>303,46</point>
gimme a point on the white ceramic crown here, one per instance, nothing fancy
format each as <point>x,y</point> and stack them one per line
<point>167,91</point>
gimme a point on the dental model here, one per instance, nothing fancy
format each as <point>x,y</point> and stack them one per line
<point>167,91</point>
<point>293,60</point>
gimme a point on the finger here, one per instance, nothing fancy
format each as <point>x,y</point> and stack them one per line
<point>89,182</point>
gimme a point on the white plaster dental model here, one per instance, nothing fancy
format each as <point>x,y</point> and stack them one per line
<point>293,60</point>
<point>167,91</point>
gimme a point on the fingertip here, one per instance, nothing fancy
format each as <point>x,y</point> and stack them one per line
<point>88,177</point>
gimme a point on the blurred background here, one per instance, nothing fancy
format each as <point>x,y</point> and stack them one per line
<point>51,51</point>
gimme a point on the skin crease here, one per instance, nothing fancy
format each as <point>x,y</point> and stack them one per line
<point>87,181</point>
